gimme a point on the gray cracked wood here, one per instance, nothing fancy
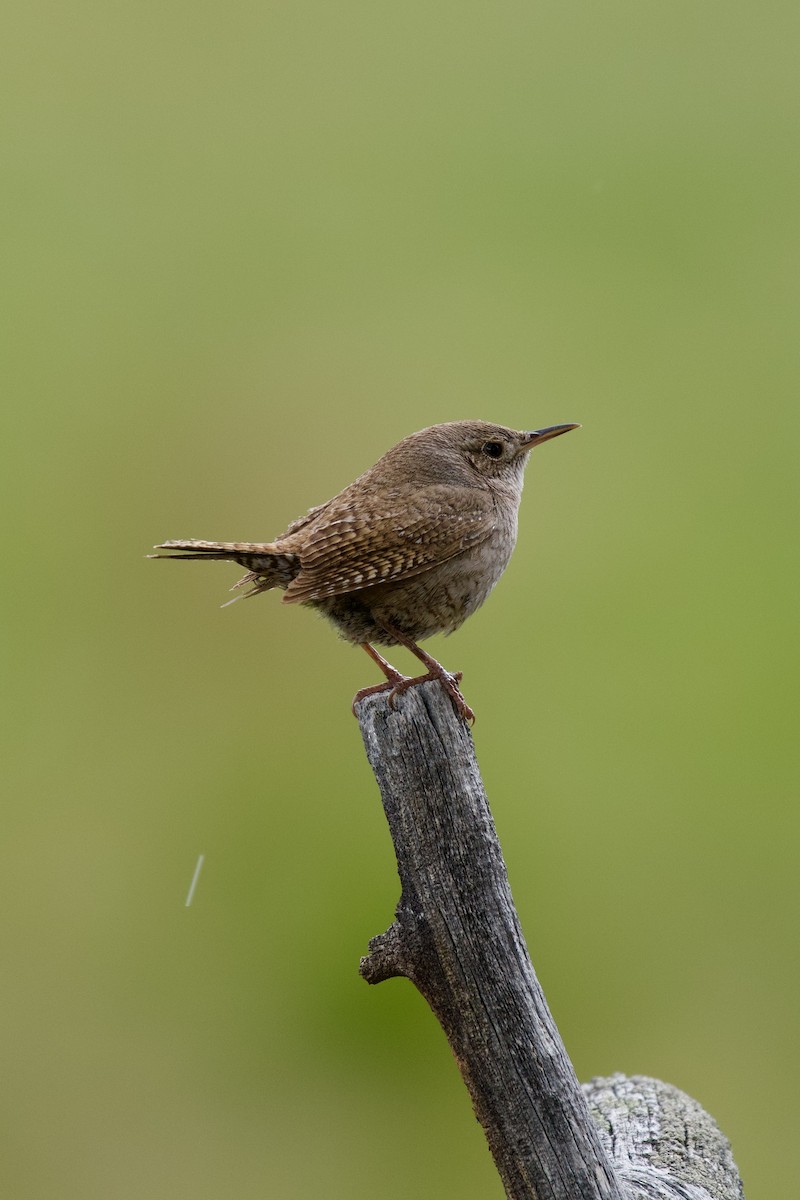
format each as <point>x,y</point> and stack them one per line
<point>664,1145</point>
<point>456,936</point>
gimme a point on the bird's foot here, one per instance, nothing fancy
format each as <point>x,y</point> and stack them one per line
<point>396,683</point>
<point>450,684</point>
<point>393,682</point>
<point>396,687</point>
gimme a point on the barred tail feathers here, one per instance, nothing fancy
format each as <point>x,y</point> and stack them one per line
<point>267,566</point>
<point>193,548</point>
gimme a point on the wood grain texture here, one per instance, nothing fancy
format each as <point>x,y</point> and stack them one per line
<point>664,1145</point>
<point>456,936</point>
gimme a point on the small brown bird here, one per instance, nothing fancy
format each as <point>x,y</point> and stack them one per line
<point>411,548</point>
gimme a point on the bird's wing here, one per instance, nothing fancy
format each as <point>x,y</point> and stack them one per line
<point>388,536</point>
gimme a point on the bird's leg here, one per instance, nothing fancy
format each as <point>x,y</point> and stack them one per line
<point>435,671</point>
<point>393,677</point>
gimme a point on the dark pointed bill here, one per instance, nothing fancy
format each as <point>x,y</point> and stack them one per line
<point>537,436</point>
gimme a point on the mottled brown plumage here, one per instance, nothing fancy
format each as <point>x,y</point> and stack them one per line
<point>411,548</point>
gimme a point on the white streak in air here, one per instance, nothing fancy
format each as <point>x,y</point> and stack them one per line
<point>195,877</point>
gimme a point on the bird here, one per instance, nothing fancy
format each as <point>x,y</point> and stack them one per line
<point>410,549</point>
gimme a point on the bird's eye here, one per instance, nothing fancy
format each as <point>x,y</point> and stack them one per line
<point>492,449</point>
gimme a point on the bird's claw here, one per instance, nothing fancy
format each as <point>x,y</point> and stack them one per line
<point>449,683</point>
<point>390,686</point>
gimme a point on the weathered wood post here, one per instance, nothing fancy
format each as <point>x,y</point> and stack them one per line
<point>456,936</point>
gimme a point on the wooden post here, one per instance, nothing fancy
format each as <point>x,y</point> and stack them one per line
<point>456,936</point>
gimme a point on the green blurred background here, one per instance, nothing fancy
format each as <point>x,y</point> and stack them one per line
<point>247,248</point>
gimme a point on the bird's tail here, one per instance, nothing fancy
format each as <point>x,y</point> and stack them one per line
<point>267,566</point>
<point>191,548</point>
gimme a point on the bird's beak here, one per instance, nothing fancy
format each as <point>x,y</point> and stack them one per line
<point>537,436</point>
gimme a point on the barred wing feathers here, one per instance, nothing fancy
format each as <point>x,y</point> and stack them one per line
<point>390,536</point>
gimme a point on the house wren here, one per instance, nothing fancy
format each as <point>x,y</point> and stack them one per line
<point>411,548</point>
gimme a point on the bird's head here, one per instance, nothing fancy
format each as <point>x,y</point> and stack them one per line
<point>458,451</point>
